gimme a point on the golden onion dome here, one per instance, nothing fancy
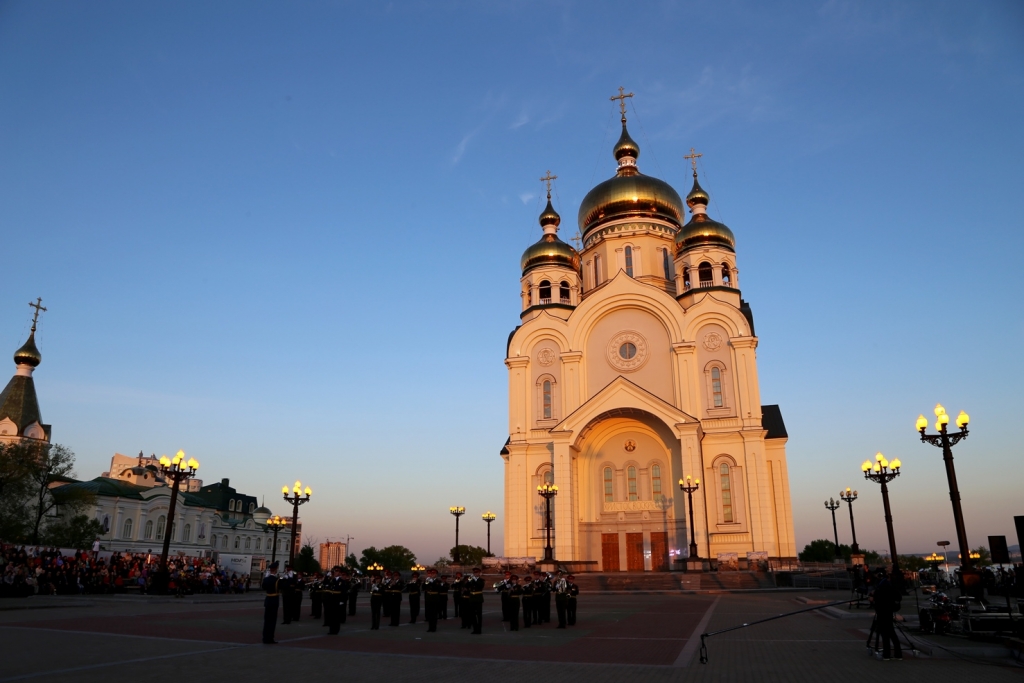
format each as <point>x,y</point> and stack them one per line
<point>697,194</point>
<point>701,230</point>
<point>549,216</point>
<point>626,146</point>
<point>550,251</point>
<point>28,354</point>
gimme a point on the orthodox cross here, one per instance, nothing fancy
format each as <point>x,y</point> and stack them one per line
<point>693,156</point>
<point>621,97</point>
<point>576,240</point>
<point>547,179</point>
<point>39,307</point>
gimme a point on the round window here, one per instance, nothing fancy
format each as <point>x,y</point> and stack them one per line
<point>627,351</point>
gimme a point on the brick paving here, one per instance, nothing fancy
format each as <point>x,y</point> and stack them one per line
<point>617,636</point>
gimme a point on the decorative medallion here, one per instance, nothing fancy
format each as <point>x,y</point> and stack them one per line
<point>546,357</point>
<point>713,341</point>
<point>627,351</point>
<point>630,445</point>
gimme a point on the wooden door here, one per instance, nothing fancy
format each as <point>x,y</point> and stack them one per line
<point>610,552</point>
<point>659,551</point>
<point>635,552</point>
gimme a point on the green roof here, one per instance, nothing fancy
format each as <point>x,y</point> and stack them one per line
<point>104,486</point>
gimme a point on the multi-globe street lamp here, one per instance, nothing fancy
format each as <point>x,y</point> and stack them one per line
<point>296,500</point>
<point>690,486</point>
<point>456,511</point>
<point>849,496</point>
<point>946,441</point>
<point>176,469</point>
<point>883,471</point>
<point>375,567</point>
<point>488,517</point>
<point>548,491</point>
<point>276,523</point>
<point>832,505</point>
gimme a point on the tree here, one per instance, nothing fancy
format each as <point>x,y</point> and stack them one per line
<point>52,462</point>
<point>986,556</point>
<point>443,562</point>
<point>306,561</point>
<point>351,562</point>
<point>912,563</point>
<point>821,550</point>
<point>392,557</point>
<point>76,531</point>
<point>469,554</point>
<point>16,463</point>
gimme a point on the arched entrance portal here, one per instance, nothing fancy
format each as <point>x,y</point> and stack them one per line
<point>629,516</point>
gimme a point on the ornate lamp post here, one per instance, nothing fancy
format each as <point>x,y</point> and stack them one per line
<point>457,511</point>
<point>690,486</point>
<point>549,491</point>
<point>850,496</point>
<point>275,523</point>
<point>832,505</point>
<point>177,470</point>
<point>417,568</point>
<point>488,517</point>
<point>375,567</point>
<point>946,441</point>
<point>883,472</point>
<point>296,500</point>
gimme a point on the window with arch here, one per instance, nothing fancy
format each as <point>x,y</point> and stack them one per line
<point>609,486</point>
<point>563,293</point>
<point>629,261</point>
<point>259,543</point>
<point>174,528</point>
<point>161,525</point>
<point>186,533</point>
<point>666,263</point>
<point>252,508</point>
<point>547,399</point>
<point>686,278</point>
<point>106,523</point>
<point>726,275</point>
<point>231,505</point>
<point>213,540</point>
<point>148,529</point>
<point>716,388</point>
<point>597,269</point>
<point>224,542</point>
<point>127,531</point>
<point>631,480</point>
<point>237,539</point>
<point>247,542</point>
<point>656,483</point>
<point>705,274</point>
<point>726,486</point>
<point>545,292</point>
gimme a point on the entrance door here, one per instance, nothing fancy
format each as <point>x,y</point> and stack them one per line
<point>659,551</point>
<point>610,552</point>
<point>635,552</point>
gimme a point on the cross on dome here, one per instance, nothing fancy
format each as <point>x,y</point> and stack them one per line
<point>693,156</point>
<point>39,307</point>
<point>621,97</point>
<point>547,179</point>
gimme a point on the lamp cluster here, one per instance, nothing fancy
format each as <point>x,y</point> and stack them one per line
<point>297,490</point>
<point>882,469</point>
<point>942,419</point>
<point>178,463</point>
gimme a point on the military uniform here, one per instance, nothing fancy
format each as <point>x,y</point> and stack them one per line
<point>298,585</point>
<point>284,585</point>
<point>331,606</point>
<point>413,589</point>
<point>353,592</point>
<point>315,606</point>
<point>394,592</point>
<point>502,588</point>
<point>527,603</point>
<point>457,596</point>
<point>476,603</point>
<point>270,604</point>
<point>570,605</point>
<point>561,600</point>
<point>386,605</point>
<point>376,602</point>
<point>513,596</point>
<point>432,600</point>
<point>443,597</point>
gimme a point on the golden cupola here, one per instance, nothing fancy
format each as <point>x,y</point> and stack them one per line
<point>550,250</point>
<point>702,230</point>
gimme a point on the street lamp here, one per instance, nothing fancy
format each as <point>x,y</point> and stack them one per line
<point>549,491</point>
<point>457,511</point>
<point>276,523</point>
<point>946,441</point>
<point>177,470</point>
<point>833,505</point>
<point>417,568</point>
<point>850,496</point>
<point>375,567</point>
<point>691,485</point>
<point>944,545</point>
<point>884,471</point>
<point>296,500</point>
<point>488,517</point>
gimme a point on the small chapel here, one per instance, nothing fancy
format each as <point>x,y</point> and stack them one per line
<point>633,371</point>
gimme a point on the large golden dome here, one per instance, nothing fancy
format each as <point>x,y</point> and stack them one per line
<point>629,193</point>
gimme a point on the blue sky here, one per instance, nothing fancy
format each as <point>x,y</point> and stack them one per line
<point>286,237</point>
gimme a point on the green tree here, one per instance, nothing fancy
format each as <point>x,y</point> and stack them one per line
<point>76,531</point>
<point>821,550</point>
<point>351,562</point>
<point>986,556</point>
<point>16,463</point>
<point>469,554</point>
<point>306,561</point>
<point>912,563</point>
<point>443,562</point>
<point>391,557</point>
<point>52,463</point>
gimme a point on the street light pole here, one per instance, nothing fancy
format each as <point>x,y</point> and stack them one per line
<point>296,500</point>
<point>946,441</point>
<point>548,491</point>
<point>832,506</point>
<point>275,523</point>
<point>690,486</point>
<point>488,517</point>
<point>883,472</point>
<point>177,470</point>
<point>850,496</point>
<point>457,511</point>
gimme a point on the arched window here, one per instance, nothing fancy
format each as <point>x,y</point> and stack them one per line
<point>252,508</point>
<point>666,262</point>
<point>231,505</point>
<point>597,269</point>
<point>656,482</point>
<point>686,278</point>
<point>237,539</point>
<point>545,292</point>
<point>563,293</point>
<point>224,542</point>
<point>726,279</point>
<point>705,274</point>
<point>716,387</point>
<point>161,524</point>
<point>213,541</point>
<point>547,399</point>
<point>609,492</point>
<point>106,523</point>
<point>631,476</point>
<point>259,543</point>
<point>726,493</point>
<point>186,534</point>
<point>247,542</point>
<point>127,531</point>
<point>174,527</point>
<point>148,529</point>
<point>629,261</point>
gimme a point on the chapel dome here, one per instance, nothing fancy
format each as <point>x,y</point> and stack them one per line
<point>550,250</point>
<point>28,354</point>
<point>702,230</point>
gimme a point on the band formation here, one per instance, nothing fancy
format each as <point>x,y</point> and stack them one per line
<point>333,597</point>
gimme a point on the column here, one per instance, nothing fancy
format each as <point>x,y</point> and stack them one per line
<point>572,382</point>
<point>518,418</point>
<point>686,374</point>
<point>744,359</point>
<point>692,464</point>
<point>565,529</point>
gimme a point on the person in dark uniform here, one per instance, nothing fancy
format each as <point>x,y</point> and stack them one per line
<point>527,601</point>
<point>297,587</point>
<point>443,588</point>
<point>502,588</point>
<point>476,601</point>
<point>315,606</point>
<point>386,583</point>
<point>886,598</point>
<point>457,593</point>
<point>545,605</point>
<point>431,600</point>
<point>514,594</point>
<point>463,607</point>
<point>270,604</point>
<point>570,604</point>
<point>343,592</point>
<point>537,602</point>
<point>353,591</point>
<point>561,590</point>
<point>376,601</point>
<point>413,589</point>
<point>284,585</point>
<point>330,600</point>
<point>394,592</point>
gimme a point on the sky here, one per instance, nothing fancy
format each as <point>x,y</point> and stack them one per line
<point>285,237</point>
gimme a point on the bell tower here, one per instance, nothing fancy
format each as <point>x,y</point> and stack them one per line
<point>20,420</point>
<point>551,269</point>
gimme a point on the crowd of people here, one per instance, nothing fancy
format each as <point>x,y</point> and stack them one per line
<point>47,571</point>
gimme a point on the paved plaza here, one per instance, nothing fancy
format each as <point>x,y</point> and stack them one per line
<point>216,638</point>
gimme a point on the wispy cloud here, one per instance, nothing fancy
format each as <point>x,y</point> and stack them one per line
<point>526,197</point>
<point>521,121</point>
<point>460,149</point>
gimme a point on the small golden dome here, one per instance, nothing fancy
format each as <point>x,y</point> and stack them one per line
<point>550,251</point>
<point>626,145</point>
<point>701,230</point>
<point>549,215</point>
<point>697,194</point>
<point>28,354</point>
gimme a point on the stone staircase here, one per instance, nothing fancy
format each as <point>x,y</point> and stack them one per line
<point>597,582</point>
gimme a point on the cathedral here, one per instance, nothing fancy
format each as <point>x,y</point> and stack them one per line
<point>634,367</point>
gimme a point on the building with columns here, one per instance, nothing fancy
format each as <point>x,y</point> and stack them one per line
<point>634,366</point>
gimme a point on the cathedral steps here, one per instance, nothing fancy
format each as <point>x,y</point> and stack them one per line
<point>671,582</point>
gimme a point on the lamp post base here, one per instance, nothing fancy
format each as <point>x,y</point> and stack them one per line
<point>696,564</point>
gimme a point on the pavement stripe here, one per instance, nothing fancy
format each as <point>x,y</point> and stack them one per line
<point>694,640</point>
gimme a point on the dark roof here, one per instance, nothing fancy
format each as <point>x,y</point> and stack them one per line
<point>18,402</point>
<point>113,488</point>
<point>771,420</point>
<point>504,449</point>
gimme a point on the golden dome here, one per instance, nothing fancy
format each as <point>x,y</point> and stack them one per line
<point>625,146</point>
<point>549,216</point>
<point>550,251</point>
<point>28,354</point>
<point>702,230</point>
<point>697,194</point>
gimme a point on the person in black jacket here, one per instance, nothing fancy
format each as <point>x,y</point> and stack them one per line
<point>270,604</point>
<point>353,592</point>
<point>394,597</point>
<point>513,594</point>
<point>376,601</point>
<point>886,600</point>
<point>476,601</point>
<point>570,606</point>
<point>413,589</point>
<point>432,599</point>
